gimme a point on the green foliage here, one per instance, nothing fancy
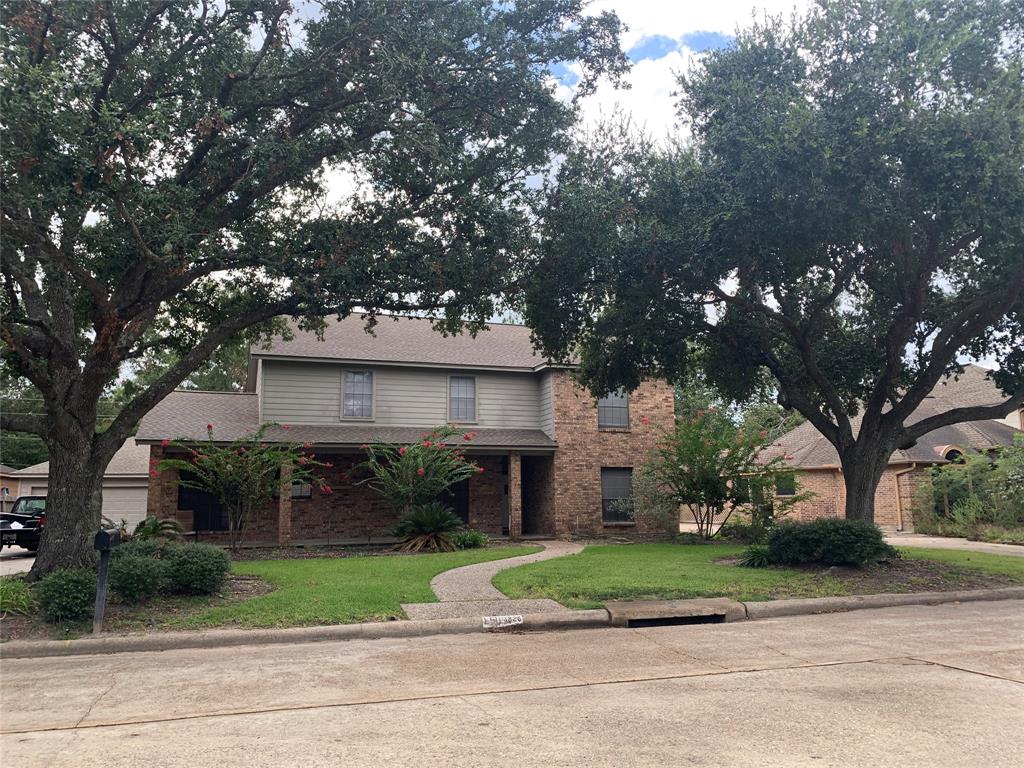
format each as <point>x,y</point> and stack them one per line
<point>196,569</point>
<point>142,548</point>
<point>15,596</point>
<point>246,472</point>
<point>829,541</point>
<point>712,468</point>
<point>978,494</point>
<point>840,167</point>
<point>136,577</point>
<point>414,475</point>
<point>428,526</point>
<point>652,503</point>
<point>469,539</point>
<point>756,556</point>
<point>67,595</point>
<point>155,528</point>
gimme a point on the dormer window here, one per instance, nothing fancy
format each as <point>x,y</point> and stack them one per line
<point>357,395</point>
<point>613,411</point>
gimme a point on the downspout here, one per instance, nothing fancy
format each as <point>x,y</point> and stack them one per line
<point>899,500</point>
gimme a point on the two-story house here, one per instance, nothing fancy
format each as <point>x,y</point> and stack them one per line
<point>556,461</point>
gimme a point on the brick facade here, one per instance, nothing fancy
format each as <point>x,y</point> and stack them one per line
<point>892,508</point>
<point>584,449</point>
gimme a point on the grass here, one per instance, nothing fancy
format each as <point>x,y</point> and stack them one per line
<point>1004,565</point>
<point>674,571</point>
<point>669,571</point>
<point>15,596</point>
<point>339,590</point>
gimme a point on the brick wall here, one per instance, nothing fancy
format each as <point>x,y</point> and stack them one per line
<point>352,511</point>
<point>538,495</point>
<point>830,495</point>
<point>583,449</point>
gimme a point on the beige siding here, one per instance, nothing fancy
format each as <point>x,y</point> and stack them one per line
<point>301,393</point>
<point>310,393</point>
<point>547,405</point>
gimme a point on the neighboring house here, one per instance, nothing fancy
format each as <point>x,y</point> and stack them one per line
<point>555,462</point>
<point>9,485</point>
<point>1015,419</point>
<point>125,483</point>
<point>817,462</point>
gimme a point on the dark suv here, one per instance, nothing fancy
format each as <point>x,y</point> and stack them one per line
<point>23,525</point>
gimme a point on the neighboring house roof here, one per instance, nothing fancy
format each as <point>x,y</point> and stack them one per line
<point>184,414</point>
<point>410,341</point>
<point>5,470</point>
<point>131,460</point>
<point>808,448</point>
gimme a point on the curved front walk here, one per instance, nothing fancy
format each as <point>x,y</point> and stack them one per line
<point>467,591</point>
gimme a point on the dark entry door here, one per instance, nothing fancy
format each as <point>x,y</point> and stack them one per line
<point>457,497</point>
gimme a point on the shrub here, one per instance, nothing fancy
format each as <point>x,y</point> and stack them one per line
<point>429,526</point>
<point>154,548</point>
<point>196,569</point>
<point>743,533</point>
<point>155,528</point>
<point>830,541</point>
<point>15,596</point>
<point>135,578</point>
<point>469,539</point>
<point>755,556</point>
<point>67,595</point>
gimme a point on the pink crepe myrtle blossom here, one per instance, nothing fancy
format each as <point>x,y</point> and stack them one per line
<point>762,433</point>
<point>402,451</point>
<point>644,420</point>
<point>209,427</point>
<point>165,442</point>
<point>285,426</point>
<point>421,472</point>
<point>329,465</point>
<point>426,443</point>
<point>154,473</point>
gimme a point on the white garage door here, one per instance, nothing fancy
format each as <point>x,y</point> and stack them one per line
<point>119,503</point>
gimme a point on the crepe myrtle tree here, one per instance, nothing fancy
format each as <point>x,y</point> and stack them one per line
<point>409,476</point>
<point>848,217</point>
<point>242,474</point>
<point>713,468</point>
<point>164,169</point>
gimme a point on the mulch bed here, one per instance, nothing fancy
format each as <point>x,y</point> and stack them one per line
<point>122,619</point>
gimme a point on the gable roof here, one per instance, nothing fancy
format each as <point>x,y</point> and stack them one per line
<point>131,460</point>
<point>809,449</point>
<point>410,341</point>
<point>184,414</point>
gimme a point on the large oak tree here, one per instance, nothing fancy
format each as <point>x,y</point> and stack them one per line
<point>847,215</point>
<point>164,167</point>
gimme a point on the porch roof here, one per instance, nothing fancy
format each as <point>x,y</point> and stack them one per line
<point>183,415</point>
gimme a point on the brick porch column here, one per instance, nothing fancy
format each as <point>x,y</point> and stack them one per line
<point>515,496</point>
<point>284,508</point>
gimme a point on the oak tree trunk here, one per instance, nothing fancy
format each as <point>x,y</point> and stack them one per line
<point>862,471</point>
<point>74,500</point>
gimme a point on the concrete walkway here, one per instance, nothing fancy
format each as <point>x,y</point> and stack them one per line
<point>946,542</point>
<point>468,591</point>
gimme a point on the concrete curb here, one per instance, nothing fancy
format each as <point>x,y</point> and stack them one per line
<point>776,608</point>
<point>27,649</point>
<point>219,638</point>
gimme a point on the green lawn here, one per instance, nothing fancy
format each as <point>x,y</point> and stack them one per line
<point>671,571</point>
<point>637,571</point>
<point>1006,565</point>
<point>340,590</point>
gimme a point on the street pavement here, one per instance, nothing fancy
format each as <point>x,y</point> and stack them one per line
<point>911,686</point>
<point>15,560</point>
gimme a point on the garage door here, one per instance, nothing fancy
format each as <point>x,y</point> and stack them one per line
<point>119,503</point>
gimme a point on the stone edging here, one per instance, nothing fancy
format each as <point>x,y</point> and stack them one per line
<point>23,649</point>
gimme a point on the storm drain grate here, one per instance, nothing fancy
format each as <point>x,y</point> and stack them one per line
<point>675,621</point>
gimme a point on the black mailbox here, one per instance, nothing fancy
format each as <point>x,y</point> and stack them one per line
<point>107,539</point>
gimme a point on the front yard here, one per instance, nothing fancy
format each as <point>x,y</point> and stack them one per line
<point>673,571</point>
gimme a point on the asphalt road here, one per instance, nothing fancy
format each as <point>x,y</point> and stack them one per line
<point>913,686</point>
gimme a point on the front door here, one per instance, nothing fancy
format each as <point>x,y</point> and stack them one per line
<point>457,497</point>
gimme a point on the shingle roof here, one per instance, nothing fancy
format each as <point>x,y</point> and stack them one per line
<point>809,448</point>
<point>183,415</point>
<point>130,459</point>
<point>412,341</point>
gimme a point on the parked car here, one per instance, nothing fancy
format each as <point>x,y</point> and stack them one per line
<point>23,525</point>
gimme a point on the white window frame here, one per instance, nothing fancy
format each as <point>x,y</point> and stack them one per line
<point>448,399</point>
<point>625,400</point>
<point>373,395</point>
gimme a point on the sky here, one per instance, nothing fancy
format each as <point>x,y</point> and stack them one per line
<point>664,38</point>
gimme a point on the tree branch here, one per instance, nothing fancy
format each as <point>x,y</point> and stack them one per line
<point>919,429</point>
<point>23,422</point>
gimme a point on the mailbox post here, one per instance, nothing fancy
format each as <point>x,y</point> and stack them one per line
<point>104,542</point>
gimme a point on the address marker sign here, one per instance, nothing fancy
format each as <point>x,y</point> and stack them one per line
<point>499,622</point>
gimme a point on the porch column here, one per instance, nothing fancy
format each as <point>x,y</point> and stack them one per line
<point>284,508</point>
<point>515,496</point>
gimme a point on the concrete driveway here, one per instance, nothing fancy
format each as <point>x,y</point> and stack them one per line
<point>950,542</point>
<point>913,686</point>
<point>15,560</point>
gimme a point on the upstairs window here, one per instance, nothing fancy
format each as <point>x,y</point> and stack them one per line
<point>462,398</point>
<point>613,411</point>
<point>616,495</point>
<point>357,395</point>
<point>785,485</point>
